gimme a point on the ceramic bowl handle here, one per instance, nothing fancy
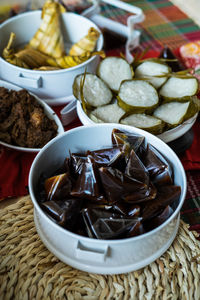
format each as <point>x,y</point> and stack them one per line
<point>31,82</point>
<point>90,253</point>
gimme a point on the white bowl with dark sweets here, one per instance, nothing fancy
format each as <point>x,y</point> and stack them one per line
<point>107,197</point>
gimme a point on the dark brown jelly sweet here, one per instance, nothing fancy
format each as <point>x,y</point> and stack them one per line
<point>104,224</point>
<point>86,186</point>
<point>159,219</point>
<point>158,168</point>
<point>58,187</point>
<point>112,193</point>
<point>75,163</point>
<point>166,195</point>
<point>65,212</point>
<point>107,157</point>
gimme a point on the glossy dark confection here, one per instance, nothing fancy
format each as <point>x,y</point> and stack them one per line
<point>117,192</point>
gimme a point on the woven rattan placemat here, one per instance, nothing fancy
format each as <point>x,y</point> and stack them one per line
<point>29,271</point>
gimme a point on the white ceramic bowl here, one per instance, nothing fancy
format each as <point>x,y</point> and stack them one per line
<point>167,136</point>
<point>92,255</point>
<point>47,109</point>
<point>55,87</point>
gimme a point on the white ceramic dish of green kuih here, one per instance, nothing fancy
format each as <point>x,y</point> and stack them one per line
<point>167,136</point>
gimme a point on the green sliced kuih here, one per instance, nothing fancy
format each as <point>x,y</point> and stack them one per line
<point>92,90</point>
<point>145,122</point>
<point>151,68</point>
<point>179,88</point>
<point>110,113</point>
<point>175,113</point>
<point>137,96</point>
<point>113,70</point>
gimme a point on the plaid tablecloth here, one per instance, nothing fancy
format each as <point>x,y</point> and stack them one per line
<point>164,25</point>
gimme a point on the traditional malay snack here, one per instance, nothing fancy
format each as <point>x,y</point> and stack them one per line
<point>95,91</point>
<point>150,69</point>
<point>113,70</point>
<point>46,50</point>
<point>23,121</point>
<point>146,94</point>
<point>117,192</point>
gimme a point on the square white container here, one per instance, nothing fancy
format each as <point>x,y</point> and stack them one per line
<point>92,255</point>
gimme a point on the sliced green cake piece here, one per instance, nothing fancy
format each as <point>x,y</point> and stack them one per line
<point>95,90</point>
<point>175,113</point>
<point>110,113</point>
<point>113,70</point>
<point>179,89</point>
<point>137,96</point>
<point>146,122</point>
<point>149,69</point>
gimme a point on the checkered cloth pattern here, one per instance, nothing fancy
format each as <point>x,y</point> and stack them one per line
<point>164,24</point>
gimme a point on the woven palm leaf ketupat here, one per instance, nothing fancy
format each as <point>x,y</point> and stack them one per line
<point>48,38</point>
<point>69,61</point>
<point>9,54</point>
<point>86,44</point>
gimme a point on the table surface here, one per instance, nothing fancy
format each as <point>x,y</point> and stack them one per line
<point>164,25</point>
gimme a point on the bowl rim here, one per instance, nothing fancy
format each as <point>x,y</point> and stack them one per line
<point>36,12</point>
<point>50,113</point>
<point>165,136</point>
<point>111,125</point>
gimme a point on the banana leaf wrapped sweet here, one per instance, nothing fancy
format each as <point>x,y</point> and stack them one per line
<point>85,44</point>
<point>113,70</point>
<point>153,70</point>
<point>137,96</point>
<point>91,90</point>
<point>46,50</point>
<point>145,122</point>
<point>116,192</point>
<point>171,60</point>
<point>48,38</point>
<point>110,113</point>
<point>179,88</point>
<point>175,113</point>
